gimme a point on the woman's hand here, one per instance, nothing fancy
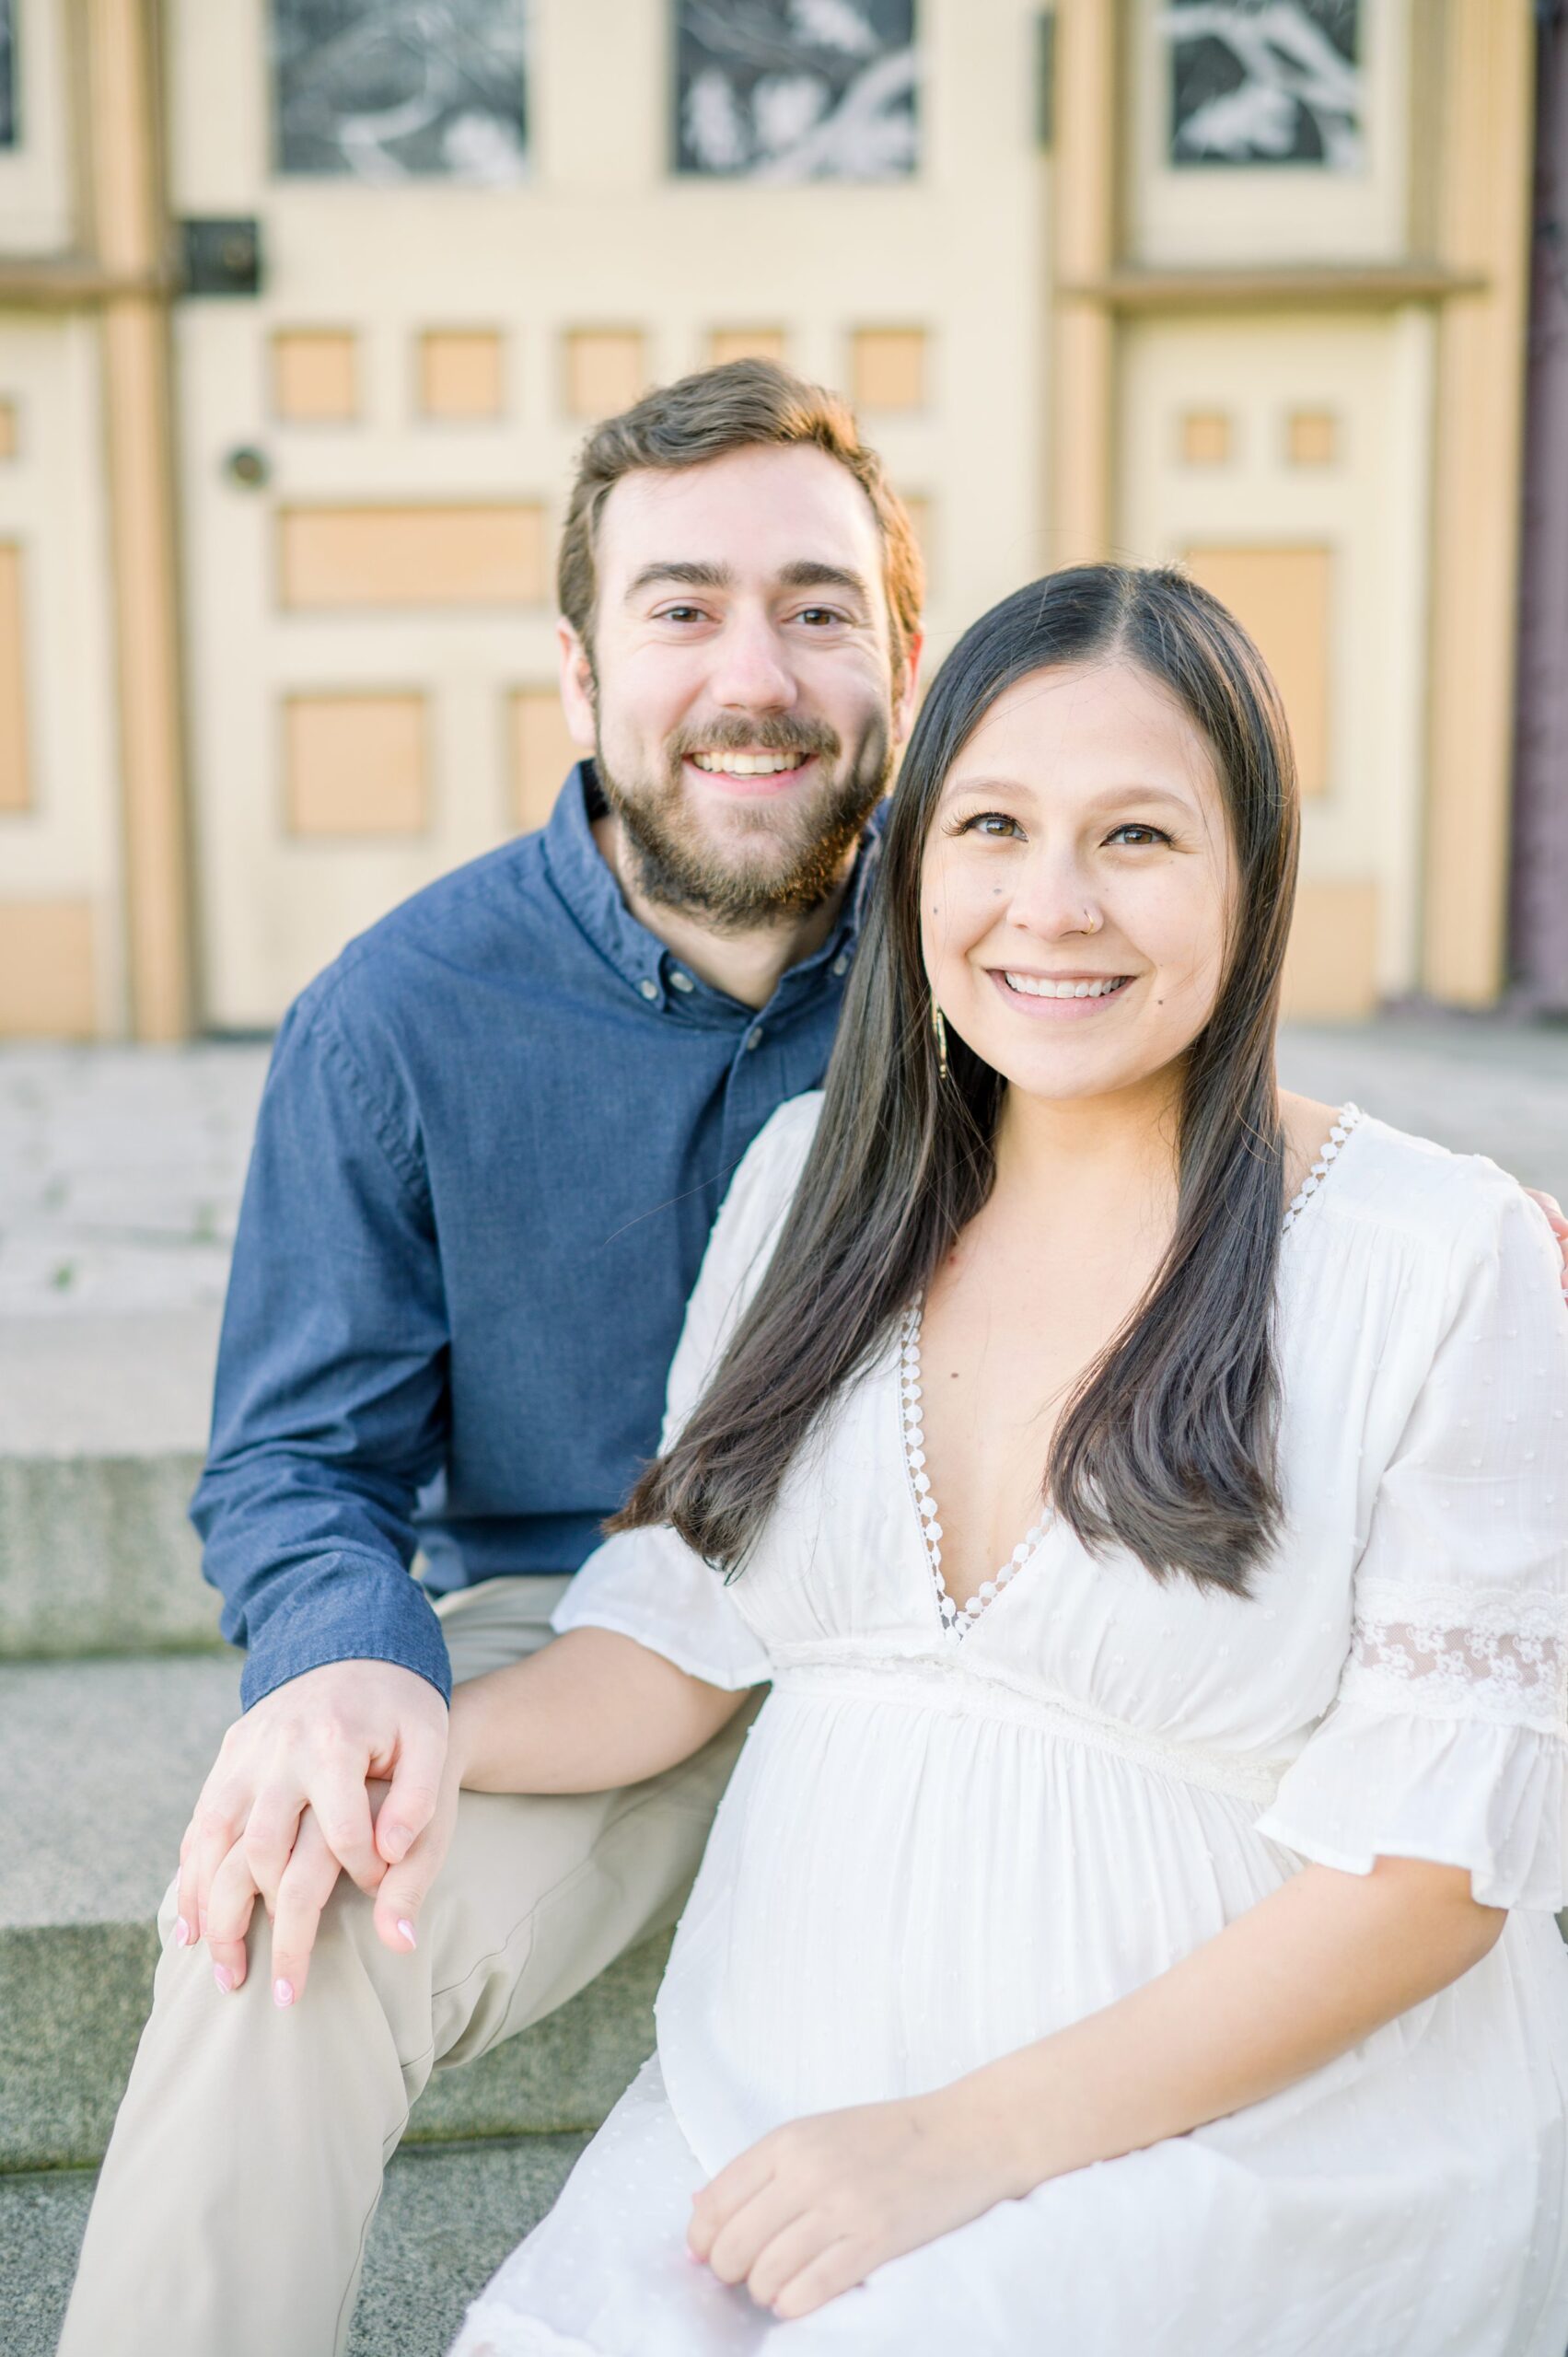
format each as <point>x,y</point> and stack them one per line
<point>810,2210</point>
<point>308,1882</point>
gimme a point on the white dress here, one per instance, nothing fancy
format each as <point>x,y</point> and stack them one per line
<point>945,1841</point>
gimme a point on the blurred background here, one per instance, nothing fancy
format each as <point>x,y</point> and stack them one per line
<point>305,308</point>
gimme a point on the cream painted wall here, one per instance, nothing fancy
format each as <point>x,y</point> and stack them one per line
<point>51,502</point>
<point>36,195</point>
<point>601,236</point>
<point>1374,374</point>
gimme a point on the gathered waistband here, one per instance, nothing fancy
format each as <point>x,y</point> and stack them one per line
<point>948,1687</point>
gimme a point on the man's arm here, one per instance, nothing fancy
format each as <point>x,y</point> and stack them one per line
<point>330,1406</point>
<point>330,1414</point>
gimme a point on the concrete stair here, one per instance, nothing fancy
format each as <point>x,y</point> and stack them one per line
<point>449,2216</point>
<point>102,1423</point>
<point>88,1842</point>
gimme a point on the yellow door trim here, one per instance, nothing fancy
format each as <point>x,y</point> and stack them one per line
<point>125,213</point>
<point>1484,209</point>
<point>1083,201</point>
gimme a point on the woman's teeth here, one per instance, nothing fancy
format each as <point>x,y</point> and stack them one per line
<point>746,764</point>
<point>1039,986</point>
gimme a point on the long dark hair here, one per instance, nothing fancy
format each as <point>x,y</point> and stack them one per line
<point>1167,1446</point>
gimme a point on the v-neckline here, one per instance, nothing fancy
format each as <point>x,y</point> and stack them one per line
<point>956,1618</point>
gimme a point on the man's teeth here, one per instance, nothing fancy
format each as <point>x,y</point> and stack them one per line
<point>1038,986</point>
<point>746,764</point>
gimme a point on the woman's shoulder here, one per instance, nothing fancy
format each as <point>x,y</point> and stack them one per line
<point>769,1171</point>
<point>1414,1190</point>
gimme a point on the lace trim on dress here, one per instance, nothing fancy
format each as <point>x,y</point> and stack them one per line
<point>925,1503</point>
<point>953,1617</point>
<point>1349,1116</point>
<point>1453,1654</point>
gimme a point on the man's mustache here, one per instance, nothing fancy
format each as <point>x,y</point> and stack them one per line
<point>809,740</point>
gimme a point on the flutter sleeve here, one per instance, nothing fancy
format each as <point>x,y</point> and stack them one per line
<point>648,1583</point>
<point>1448,1738</point>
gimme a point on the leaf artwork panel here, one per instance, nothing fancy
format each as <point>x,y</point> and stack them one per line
<point>7,74</point>
<point>389,91</point>
<point>1260,82</point>
<point>796,89</point>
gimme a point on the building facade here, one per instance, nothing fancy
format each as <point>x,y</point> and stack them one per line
<point>305,305</point>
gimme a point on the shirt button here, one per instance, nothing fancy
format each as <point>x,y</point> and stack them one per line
<point>754,1037</point>
<point>841,963</point>
<point>682,981</point>
<point>648,987</point>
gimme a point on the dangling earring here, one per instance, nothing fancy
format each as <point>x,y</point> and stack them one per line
<point>940,1028</point>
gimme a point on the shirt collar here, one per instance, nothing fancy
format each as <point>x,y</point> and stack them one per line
<point>583,876</point>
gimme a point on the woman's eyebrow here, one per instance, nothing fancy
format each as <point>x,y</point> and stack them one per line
<point>1134,790</point>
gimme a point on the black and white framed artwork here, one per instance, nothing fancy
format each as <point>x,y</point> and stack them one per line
<point>1261,82</point>
<point>389,91</point>
<point>796,89</point>
<point>7,73</point>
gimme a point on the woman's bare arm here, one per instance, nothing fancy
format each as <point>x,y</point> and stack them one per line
<point>1294,1982</point>
<point>590,1710</point>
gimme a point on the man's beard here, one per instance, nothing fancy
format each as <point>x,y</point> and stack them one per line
<point>783,862</point>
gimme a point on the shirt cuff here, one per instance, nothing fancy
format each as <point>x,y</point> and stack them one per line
<point>348,1614</point>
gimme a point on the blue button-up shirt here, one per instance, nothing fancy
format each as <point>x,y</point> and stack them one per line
<point>494,1138</point>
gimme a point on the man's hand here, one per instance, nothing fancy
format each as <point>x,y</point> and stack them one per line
<point>314,1745</point>
<point>1555,1214</point>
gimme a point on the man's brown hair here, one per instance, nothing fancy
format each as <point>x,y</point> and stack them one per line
<point>740,405</point>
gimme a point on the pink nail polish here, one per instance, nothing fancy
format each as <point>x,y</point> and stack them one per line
<point>406,1928</point>
<point>181,1932</point>
<point>224,1978</point>
<point>282,1992</point>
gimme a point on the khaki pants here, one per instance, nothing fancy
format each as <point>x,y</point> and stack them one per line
<point>231,2214</point>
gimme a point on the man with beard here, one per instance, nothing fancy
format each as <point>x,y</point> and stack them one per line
<point>493,1137</point>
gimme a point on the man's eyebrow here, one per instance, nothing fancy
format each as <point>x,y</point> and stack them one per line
<point>688,574</point>
<point>801,572</point>
<point>815,573</point>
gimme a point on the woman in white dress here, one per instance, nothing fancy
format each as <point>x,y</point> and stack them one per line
<point>1133,1938</point>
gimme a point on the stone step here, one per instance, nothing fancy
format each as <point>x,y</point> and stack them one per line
<point>449,2216</point>
<point>99,1763</point>
<point>102,1426</point>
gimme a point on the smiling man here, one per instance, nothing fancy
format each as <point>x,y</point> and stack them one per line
<point>494,1137</point>
<point>492,1142</point>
